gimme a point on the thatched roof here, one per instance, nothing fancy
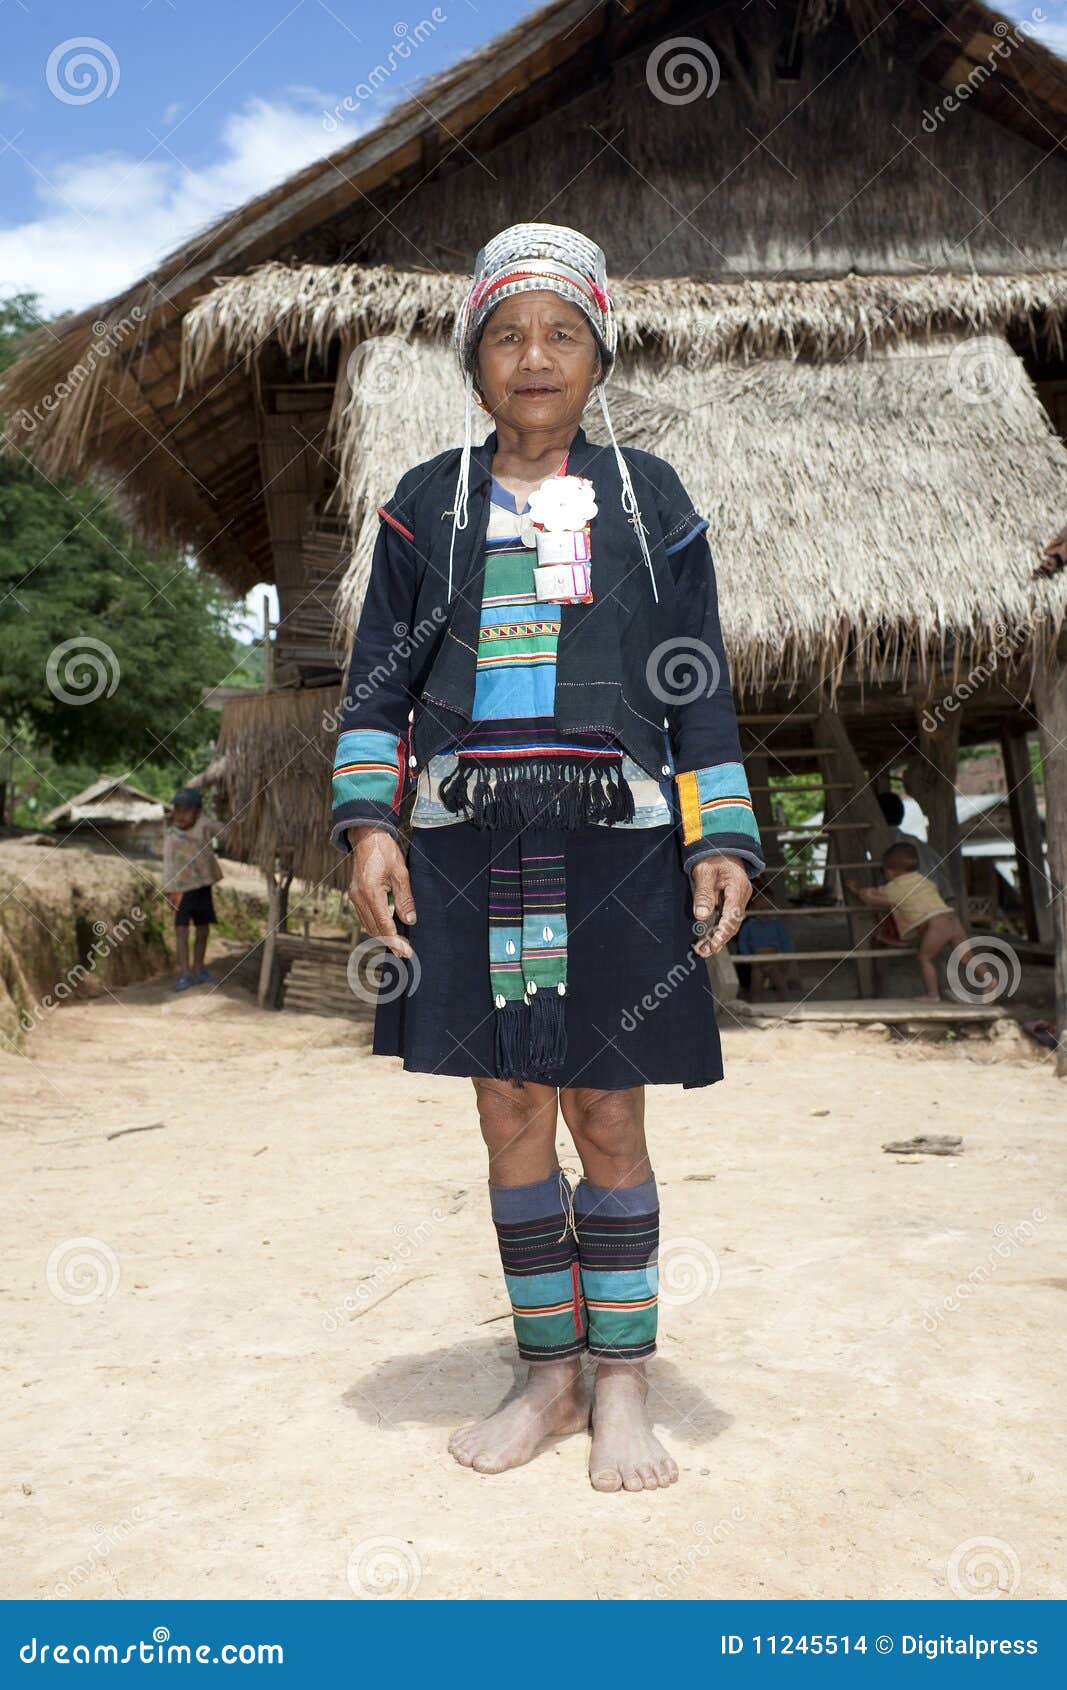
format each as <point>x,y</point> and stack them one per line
<point>561,100</point>
<point>107,801</point>
<point>885,507</point>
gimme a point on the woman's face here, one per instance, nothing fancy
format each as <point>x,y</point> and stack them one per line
<point>537,362</point>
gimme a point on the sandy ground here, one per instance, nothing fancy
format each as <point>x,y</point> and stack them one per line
<point>241,1380</point>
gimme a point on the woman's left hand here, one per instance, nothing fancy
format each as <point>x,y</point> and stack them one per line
<point>716,878</point>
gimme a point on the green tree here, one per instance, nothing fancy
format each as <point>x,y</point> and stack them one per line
<point>104,648</point>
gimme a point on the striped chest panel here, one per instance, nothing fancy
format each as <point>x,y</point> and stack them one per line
<point>518,636</point>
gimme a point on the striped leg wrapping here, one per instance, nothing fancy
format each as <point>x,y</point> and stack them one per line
<point>540,1261</point>
<point>618,1235</point>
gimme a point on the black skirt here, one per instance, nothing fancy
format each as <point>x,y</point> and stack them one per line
<point>639,1008</point>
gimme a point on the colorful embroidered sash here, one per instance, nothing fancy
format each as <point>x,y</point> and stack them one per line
<point>528,952</point>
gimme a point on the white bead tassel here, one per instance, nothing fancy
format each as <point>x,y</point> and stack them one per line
<point>629,498</point>
<point>459,514</point>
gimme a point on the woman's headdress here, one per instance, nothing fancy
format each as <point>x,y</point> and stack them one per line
<point>527,258</point>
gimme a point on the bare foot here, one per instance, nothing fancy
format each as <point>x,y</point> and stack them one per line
<point>927,997</point>
<point>626,1455</point>
<point>553,1401</point>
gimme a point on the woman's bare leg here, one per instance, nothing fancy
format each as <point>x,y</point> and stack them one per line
<point>608,1128</point>
<point>519,1127</point>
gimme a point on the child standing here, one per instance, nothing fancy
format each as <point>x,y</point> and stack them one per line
<point>190,869</point>
<point>918,907</point>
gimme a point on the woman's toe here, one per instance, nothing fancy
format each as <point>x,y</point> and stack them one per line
<point>648,1478</point>
<point>632,1480</point>
<point>607,1478</point>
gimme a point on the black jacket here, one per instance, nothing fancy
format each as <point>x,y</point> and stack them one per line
<point>645,664</point>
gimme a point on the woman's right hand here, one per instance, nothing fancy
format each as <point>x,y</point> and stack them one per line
<point>378,868</point>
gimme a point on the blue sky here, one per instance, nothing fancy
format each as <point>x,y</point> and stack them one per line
<point>197,105</point>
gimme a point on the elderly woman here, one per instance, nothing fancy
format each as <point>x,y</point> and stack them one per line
<point>539,658</point>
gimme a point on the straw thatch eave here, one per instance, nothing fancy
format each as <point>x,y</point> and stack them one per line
<point>307,307</point>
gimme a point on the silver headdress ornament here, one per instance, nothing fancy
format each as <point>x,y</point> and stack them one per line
<point>527,258</point>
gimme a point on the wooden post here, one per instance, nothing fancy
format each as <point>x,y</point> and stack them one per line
<point>1026,832</point>
<point>1050,700</point>
<point>930,778</point>
<point>868,833</point>
<point>268,647</point>
<point>266,961</point>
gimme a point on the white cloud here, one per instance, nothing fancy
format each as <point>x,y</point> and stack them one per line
<point>106,219</point>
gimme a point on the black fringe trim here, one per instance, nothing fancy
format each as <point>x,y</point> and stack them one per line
<point>554,794</point>
<point>531,1038</point>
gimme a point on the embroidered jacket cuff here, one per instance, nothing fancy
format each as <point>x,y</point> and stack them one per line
<point>716,815</point>
<point>368,782</point>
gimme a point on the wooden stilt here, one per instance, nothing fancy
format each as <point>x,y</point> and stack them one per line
<point>860,828</point>
<point>1026,833</point>
<point>930,778</point>
<point>1050,700</point>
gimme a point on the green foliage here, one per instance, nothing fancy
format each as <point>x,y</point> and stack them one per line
<point>104,648</point>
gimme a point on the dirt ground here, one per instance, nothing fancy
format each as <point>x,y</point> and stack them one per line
<point>236,1343</point>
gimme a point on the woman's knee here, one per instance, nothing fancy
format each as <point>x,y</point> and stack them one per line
<point>509,1113</point>
<point>612,1123</point>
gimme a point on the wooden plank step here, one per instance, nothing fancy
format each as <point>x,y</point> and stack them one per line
<point>886,1010</point>
<point>793,716</point>
<point>825,956</point>
<point>814,786</point>
<point>824,827</point>
<point>783,751</point>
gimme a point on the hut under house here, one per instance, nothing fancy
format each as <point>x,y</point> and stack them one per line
<point>835,239</point>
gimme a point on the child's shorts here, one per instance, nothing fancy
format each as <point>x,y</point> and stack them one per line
<point>197,907</point>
